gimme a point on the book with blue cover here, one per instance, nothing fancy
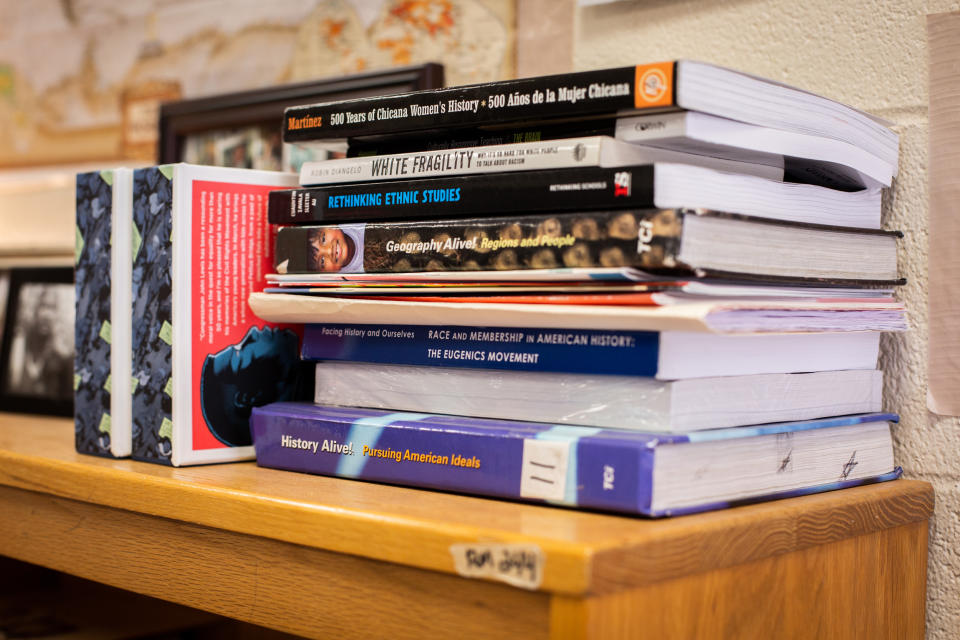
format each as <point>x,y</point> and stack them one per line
<point>103,314</point>
<point>605,469</point>
<point>665,355</point>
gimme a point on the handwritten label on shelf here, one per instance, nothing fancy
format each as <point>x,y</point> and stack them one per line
<point>520,565</point>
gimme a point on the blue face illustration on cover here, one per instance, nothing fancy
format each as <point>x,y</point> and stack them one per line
<point>260,369</point>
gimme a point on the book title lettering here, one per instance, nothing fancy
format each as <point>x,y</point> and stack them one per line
<point>571,94</point>
<point>388,198</point>
<point>347,449</point>
<point>483,243</point>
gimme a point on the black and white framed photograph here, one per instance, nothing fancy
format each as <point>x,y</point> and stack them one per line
<point>36,346</point>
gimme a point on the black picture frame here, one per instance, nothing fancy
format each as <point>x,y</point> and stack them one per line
<point>264,107</point>
<point>36,347</point>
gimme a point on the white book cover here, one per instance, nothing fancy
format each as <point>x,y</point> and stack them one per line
<point>723,316</point>
<point>608,401</point>
<point>595,151</point>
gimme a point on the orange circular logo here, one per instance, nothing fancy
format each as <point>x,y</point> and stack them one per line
<point>653,84</point>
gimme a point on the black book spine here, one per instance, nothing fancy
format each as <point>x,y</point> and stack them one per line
<point>558,190</point>
<point>570,95</point>
<point>412,142</point>
<point>643,238</point>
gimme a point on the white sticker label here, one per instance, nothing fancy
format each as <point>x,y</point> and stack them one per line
<point>544,469</point>
<point>520,565</point>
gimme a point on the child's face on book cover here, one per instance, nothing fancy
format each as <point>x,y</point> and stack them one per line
<point>329,250</point>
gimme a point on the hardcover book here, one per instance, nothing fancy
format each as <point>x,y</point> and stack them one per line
<point>629,472</point>
<point>201,360</point>
<point>664,86</point>
<point>596,151</point>
<point>635,403</point>
<point>667,241</point>
<point>102,329</point>
<point>661,185</point>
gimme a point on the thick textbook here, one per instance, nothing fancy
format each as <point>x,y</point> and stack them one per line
<point>664,86</point>
<point>601,400</point>
<point>661,185</point>
<point>595,151</point>
<point>666,355</point>
<point>201,360</point>
<point>102,326</point>
<point>669,241</point>
<point>629,472</point>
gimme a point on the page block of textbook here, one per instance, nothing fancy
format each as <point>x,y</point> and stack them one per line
<point>201,359</point>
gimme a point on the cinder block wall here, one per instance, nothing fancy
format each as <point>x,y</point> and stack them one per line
<point>872,55</point>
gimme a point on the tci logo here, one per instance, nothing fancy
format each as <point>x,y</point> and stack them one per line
<point>621,184</point>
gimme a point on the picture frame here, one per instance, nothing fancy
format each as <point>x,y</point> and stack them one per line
<point>36,346</point>
<point>243,129</point>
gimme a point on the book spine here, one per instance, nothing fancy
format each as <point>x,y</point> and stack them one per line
<point>526,191</point>
<point>645,238</point>
<point>152,314</point>
<point>459,138</point>
<point>92,328</point>
<point>633,353</point>
<point>549,154</point>
<point>529,99</point>
<point>561,465</point>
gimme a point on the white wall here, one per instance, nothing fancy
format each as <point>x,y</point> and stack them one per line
<point>872,55</point>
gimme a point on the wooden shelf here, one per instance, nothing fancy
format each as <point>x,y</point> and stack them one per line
<point>323,556</point>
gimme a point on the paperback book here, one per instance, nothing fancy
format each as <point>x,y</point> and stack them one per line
<point>201,360</point>
<point>663,86</point>
<point>665,355</point>
<point>408,142</point>
<point>629,472</point>
<point>103,318</point>
<point>733,316</point>
<point>597,151</point>
<point>668,241</point>
<point>662,186</point>
<point>634,403</point>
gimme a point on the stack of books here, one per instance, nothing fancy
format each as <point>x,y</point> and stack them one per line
<point>656,290</point>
